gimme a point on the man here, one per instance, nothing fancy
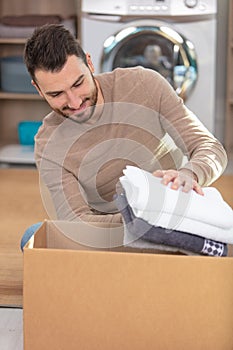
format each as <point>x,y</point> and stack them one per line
<point>100,124</point>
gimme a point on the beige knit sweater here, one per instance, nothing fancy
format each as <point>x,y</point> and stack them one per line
<point>143,123</point>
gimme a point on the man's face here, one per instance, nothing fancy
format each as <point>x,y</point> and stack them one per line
<point>72,91</point>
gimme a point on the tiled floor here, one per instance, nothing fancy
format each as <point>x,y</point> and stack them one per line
<point>11,329</point>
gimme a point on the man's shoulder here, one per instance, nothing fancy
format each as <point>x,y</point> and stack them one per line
<point>50,122</point>
<point>129,83</point>
<point>53,118</point>
<point>126,79</point>
<point>136,72</point>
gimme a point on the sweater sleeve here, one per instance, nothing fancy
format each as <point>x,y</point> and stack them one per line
<point>61,192</point>
<point>67,200</point>
<point>206,156</point>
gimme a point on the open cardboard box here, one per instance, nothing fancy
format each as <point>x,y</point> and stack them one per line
<point>78,295</point>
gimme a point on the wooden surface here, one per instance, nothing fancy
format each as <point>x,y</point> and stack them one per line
<point>20,207</point>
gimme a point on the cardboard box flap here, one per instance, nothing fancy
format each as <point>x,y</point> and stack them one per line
<point>77,235</point>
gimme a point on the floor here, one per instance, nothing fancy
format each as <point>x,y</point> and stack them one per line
<point>20,207</point>
<point>14,208</point>
<point>11,329</point>
<point>11,319</point>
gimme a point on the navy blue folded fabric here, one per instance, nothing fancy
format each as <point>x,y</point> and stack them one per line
<point>140,229</point>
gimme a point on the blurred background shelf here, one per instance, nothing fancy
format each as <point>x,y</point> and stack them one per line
<point>16,107</point>
<point>17,96</point>
<point>13,41</point>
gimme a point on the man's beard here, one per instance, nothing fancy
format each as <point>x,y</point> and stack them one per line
<point>88,112</point>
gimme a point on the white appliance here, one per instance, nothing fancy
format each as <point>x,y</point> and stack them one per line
<point>180,35</point>
<point>16,154</point>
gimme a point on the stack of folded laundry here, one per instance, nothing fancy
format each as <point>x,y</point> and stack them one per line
<point>156,216</point>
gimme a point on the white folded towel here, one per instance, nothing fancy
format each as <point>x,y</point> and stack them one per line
<point>208,216</point>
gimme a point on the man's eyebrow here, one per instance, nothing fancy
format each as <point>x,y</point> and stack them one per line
<point>50,93</point>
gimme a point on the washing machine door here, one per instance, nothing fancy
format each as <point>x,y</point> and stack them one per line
<point>160,48</point>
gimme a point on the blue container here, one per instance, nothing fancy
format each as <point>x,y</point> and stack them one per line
<point>27,131</point>
<point>14,75</point>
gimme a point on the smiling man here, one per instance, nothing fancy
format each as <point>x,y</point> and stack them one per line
<point>68,94</point>
<point>99,124</point>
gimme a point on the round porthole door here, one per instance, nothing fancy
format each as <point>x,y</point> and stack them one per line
<point>156,47</point>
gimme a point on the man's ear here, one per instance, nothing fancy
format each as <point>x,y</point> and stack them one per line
<point>89,62</point>
<point>37,88</point>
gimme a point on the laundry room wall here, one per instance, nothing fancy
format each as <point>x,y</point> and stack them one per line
<point>221,71</point>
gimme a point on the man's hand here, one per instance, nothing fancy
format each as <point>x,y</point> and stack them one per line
<point>185,178</point>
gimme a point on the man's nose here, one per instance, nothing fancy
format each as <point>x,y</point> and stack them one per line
<point>73,101</point>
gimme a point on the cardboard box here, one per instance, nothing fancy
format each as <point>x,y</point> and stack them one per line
<point>80,297</point>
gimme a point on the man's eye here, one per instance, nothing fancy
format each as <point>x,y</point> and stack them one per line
<point>78,83</point>
<point>55,94</point>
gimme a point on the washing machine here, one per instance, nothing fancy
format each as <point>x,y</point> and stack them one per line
<point>177,38</point>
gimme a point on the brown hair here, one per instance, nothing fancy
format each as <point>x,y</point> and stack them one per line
<point>48,49</point>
